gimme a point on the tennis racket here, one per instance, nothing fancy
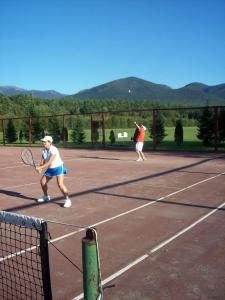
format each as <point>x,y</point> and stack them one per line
<point>27,157</point>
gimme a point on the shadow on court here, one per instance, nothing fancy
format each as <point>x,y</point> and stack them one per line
<point>206,173</point>
<point>15,194</point>
<point>161,201</point>
<point>98,157</point>
<point>114,185</point>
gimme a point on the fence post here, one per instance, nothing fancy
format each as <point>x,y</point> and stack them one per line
<point>103,131</point>
<point>91,130</point>
<point>216,128</point>
<point>64,131</point>
<point>30,131</point>
<point>154,128</point>
<point>3,132</point>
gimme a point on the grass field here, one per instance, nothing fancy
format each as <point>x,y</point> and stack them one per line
<point>189,134</point>
<point>191,142</point>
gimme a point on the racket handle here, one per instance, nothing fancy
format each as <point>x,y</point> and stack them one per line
<point>38,170</point>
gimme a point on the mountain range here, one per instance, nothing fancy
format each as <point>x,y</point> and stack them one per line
<point>14,90</point>
<point>134,88</point>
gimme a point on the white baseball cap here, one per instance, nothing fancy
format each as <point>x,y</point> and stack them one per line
<point>143,127</point>
<point>47,138</point>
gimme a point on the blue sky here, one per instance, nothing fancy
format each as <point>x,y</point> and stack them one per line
<point>71,45</point>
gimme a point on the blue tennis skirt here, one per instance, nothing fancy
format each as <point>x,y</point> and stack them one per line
<point>50,172</point>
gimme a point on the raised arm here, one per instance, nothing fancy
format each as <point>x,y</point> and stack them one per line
<point>135,123</point>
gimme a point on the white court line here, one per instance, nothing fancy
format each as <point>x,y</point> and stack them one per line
<point>17,253</point>
<point>134,209</point>
<point>130,211</point>
<point>21,185</point>
<point>20,165</point>
<point>145,205</point>
<point>12,167</point>
<point>162,244</point>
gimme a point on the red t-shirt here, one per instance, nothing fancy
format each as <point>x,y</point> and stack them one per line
<point>141,135</point>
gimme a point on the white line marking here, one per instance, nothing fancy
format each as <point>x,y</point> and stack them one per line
<point>128,212</point>
<point>153,250</point>
<point>162,244</point>
<point>17,186</point>
<point>137,208</point>
<point>12,167</point>
<point>20,165</point>
<point>17,253</point>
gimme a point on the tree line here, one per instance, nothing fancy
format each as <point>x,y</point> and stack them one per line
<point>209,128</point>
<point>27,105</point>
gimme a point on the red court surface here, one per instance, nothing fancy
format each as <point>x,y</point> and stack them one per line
<point>160,223</point>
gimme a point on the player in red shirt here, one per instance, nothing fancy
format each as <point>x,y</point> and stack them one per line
<point>140,141</point>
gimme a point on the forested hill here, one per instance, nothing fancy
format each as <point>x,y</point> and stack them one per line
<point>136,89</point>
<point>133,88</point>
<point>13,90</point>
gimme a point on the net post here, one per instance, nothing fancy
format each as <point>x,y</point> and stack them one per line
<point>91,271</point>
<point>45,262</point>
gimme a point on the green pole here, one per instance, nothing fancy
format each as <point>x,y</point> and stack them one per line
<point>91,272</point>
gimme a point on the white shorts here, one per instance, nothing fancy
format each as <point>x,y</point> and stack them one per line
<point>139,146</point>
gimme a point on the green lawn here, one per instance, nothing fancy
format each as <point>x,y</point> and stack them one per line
<point>191,142</point>
<point>189,134</point>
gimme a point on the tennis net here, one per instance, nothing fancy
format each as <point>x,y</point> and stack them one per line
<point>24,260</point>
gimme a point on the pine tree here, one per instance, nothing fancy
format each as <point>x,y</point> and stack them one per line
<point>206,127</point>
<point>21,136</point>
<point>37,130</point>
<point>112,137</point>
<point>11,135</point>
<point>54,129</point>
<point>222,125</point>
<point>178,133</point>
<point>78,135</point>
<point>159,133</point>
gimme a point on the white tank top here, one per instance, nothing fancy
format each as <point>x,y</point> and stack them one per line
<point>46,154</point>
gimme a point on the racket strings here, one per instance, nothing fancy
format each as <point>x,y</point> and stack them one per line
<point>27,157</point>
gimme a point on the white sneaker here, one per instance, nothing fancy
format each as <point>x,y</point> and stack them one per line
<point>139,159</point>
<point>44,199</point>
<point>67,203</point>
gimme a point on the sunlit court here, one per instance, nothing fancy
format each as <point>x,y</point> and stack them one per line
<point>160,223</point>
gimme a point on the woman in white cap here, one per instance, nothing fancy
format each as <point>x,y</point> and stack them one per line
<point>140,141</point>
<point>53,165</point>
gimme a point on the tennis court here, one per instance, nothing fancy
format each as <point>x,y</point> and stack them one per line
<point>160,223</point>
